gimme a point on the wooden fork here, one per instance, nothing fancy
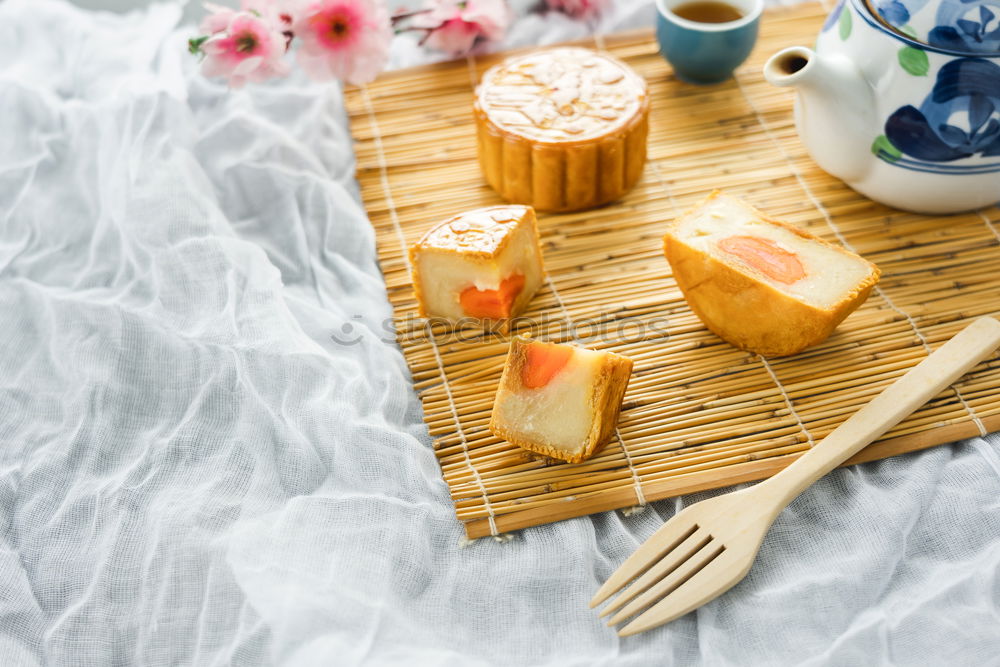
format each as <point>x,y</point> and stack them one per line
<point>708,547</point>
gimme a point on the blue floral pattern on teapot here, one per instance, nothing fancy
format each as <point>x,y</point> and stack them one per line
<point>965,26</point>
<point>966,88</point>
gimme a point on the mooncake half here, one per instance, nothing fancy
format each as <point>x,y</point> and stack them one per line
<point>760,284</point>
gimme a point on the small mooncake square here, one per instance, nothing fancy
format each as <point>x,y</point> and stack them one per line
<point>485,265</point>
<point>559,400</point>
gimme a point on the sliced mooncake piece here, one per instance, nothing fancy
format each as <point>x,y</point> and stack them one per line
<point>763,285</point>
<point>482,265</point>
<point>559,400</point>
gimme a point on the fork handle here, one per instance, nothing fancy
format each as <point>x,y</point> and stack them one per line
<point>921,383</point>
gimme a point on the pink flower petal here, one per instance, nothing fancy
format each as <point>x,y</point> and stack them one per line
<point>454,37</point>
<point>455,26</point>
<point>250,48</point>
<point>491,15</point>
<point>218,20</point>
<point>343,39</point>
<point>579,9</point>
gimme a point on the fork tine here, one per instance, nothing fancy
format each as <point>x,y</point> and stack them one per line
<point>668,562</point>
<point>667,537</point>
<point>715,579</point>
<point>690,567</point>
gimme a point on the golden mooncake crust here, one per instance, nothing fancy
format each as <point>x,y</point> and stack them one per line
<point>483,232</point>
<point>562,129</point>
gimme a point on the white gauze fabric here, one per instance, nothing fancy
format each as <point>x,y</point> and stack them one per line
<point>195,472</point>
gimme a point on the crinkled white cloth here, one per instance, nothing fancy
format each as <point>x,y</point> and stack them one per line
<point>193,472</point>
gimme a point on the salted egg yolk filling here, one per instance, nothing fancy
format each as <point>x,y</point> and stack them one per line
<point>542,362</point>
<point>554,404</point>
<point>766,256</point>
<point>492,303</point>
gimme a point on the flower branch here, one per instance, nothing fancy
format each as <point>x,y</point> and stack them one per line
<point>344,39</point>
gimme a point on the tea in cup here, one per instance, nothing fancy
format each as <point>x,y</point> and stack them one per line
<point>706,40</point>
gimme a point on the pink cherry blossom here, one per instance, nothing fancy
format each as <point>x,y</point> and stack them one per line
<point>248,48</point>
<point>454,26</point>
<point>343,39</point>
<point>578,9</point>
<point>217,20</point>
<point>219,16</point>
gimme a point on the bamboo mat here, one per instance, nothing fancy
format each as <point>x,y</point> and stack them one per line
<point>698,414</point>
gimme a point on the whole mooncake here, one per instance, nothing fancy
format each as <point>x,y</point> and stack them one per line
<point>562,129</point>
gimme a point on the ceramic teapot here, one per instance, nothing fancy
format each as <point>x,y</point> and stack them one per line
<point>901,100</point>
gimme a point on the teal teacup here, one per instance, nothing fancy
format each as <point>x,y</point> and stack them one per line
<point>704,52</point>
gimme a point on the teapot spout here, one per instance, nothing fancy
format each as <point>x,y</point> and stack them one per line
<point>796,66</point>
<point>835,113</point>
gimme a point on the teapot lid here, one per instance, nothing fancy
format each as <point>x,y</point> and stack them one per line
<point>962,26</point>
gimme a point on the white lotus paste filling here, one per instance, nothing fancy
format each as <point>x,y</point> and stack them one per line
<point>829,274</point>
<point>559,414</point>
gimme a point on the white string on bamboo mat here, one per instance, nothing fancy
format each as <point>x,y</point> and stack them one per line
<point>390,203</point>
<point>992,228</point>
<point>843,240</point>
<point>788,399</point>
<point>989,225</point>
<point>763,361</point>
<point>636,480</point>
<point>975,418</point>
<point>470,66</point>
<point>640,497</point>
<point>599,39</point>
